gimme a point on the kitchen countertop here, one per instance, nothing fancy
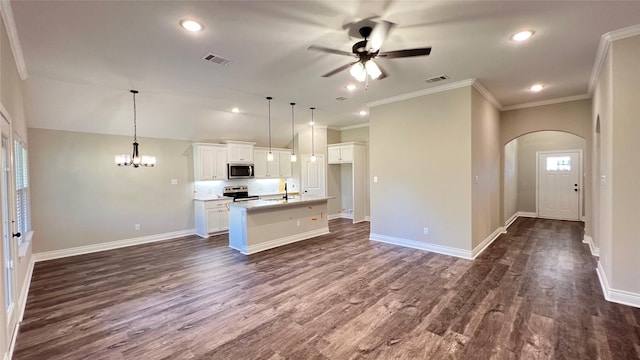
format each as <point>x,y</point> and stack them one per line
<point>272,204</point>
<point>220,197</point>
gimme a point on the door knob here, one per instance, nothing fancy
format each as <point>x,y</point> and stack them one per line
<point>17,235</point>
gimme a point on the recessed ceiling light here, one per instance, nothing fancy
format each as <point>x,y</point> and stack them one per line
<point>351,87</point>
<point>522,35</point>
<point>191,25</point>
<point>536,87</point>
<point>235,110</point>
<point>363,113</point>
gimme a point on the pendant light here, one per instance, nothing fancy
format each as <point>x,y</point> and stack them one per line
<point>312,123</point>
<point>270,154</point>
<point>135,159</point>
<point>294,158</point>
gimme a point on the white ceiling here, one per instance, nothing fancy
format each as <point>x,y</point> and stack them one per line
<point>82,57</point>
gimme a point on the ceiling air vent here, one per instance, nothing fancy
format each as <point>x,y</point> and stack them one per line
<point>341,98</point>
<point>436,79</point>
<point>216,59</point>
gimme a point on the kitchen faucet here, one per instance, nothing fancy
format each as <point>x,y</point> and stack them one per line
<point>286,194</point>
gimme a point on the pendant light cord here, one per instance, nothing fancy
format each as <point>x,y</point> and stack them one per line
<point>313,152</point>
<point>269,98</point>
<point>135,125</point>
<point>293,138</point>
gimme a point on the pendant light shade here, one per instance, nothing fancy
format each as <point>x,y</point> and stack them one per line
<point>270,154</point>
<point>313,154</point>
<point>294,158</point>
<point>135,160</point>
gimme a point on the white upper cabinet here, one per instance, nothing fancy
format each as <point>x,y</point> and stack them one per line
<point>210,162</point>
<point>240,152</point>
<point>340,153</point>
<point>280,167</point>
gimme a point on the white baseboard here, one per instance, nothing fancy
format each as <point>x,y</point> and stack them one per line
<point>56,254</point>
<point>486,242</point>
<point>614,295</point>
<point>511,220</point>
<point>340,216</point>
<point>12,346</point>
<point>440,249</point>
<point>595,251</point>
<point>517,215</point>
<point>252,249</point>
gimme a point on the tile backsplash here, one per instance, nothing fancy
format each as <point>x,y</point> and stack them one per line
<point>256,186</point>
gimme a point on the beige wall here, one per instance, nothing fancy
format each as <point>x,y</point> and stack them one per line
<point>82,198</point>
<point>528,145</point>
<point>510,180</point>
<point>485,168</point>
<point>625,250</point>
<point>12,102</point>
<point>420,150</point>
<point>572,117</point>
<point>602,110</point>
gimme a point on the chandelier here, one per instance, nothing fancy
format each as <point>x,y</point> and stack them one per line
<point>135,159</point>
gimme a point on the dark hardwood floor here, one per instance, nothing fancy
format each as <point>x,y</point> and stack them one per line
<point>533,294</point>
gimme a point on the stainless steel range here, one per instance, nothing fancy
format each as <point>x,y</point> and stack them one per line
<point>239,193</point>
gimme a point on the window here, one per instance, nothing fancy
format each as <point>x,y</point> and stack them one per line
<point>22,189</point>
<point>559,163</point>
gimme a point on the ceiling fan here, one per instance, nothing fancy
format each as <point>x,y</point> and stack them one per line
<point>368,49</point>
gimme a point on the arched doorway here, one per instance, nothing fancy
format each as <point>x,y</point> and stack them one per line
<point>520,169</point>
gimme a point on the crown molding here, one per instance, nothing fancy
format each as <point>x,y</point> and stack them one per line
<point>546,102</point>
<point>12,32</point>
<point>351,127</point>
<point>603,48</point>
<point>415,94</point>
<point>487,95</point>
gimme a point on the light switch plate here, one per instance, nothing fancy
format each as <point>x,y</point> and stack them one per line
<point>174,181</point>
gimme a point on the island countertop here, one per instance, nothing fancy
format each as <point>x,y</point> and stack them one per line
<point>254,205</point>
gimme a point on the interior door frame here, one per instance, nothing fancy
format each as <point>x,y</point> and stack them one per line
<point>303,159</point>
<point>580,178</point>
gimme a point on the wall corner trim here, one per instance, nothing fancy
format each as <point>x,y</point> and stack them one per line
<point>440,249</point>
<point>595,251</point>
<point>603,47</point>
<point>488,241</point>
<point>487,95</point>
<point>80,250</point>
<point>12,32</point>
<point>614,295</point>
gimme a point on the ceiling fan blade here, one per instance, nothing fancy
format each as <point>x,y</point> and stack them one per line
<point>405,53</point>
<point>378,35</point>
<point>329,50</point>
<point>341,68</point>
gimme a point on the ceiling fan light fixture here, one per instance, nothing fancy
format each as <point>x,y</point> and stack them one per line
<point>358,72</point>
<point>372,69</point>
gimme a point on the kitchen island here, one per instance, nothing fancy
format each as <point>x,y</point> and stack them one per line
<point>259,225</point>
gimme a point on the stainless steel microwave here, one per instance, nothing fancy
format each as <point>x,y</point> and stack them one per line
<point>240,171</point>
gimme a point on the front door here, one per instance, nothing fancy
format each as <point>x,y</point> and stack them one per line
<point>559,185</point>
<point>312,179</point>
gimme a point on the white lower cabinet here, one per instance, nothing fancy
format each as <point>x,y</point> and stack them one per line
<point>212,216</point>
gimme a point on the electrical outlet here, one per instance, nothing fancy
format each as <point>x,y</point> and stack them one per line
<point>174,181</point>
<point>426,231</point>
<point>137,226</point>
<point>298,223</point>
